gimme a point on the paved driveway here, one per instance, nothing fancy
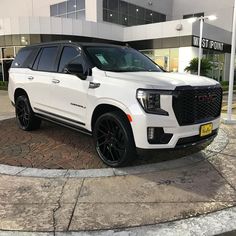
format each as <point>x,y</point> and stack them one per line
<point>6,109</point>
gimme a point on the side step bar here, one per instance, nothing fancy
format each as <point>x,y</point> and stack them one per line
<point>65,124</point>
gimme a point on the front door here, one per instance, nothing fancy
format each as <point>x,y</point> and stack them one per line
<point>69,92</point>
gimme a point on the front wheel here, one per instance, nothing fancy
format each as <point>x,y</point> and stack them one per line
<point>114,139</point>
<point>24,114</point>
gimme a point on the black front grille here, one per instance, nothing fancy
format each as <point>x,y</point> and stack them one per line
<point>194,105</point>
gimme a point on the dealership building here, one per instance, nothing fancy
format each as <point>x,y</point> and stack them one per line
<point>159,28</point>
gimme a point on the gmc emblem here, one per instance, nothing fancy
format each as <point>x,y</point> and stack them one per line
<point>206,98</point>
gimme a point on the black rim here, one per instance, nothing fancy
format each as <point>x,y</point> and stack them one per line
<point>22,113</point>
<point>110,141</point>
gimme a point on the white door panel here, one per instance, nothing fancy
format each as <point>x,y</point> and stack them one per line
<point>39,89</point>
<point>70,97</point>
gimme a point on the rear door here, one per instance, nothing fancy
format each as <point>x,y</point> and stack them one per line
<point>42,78</point>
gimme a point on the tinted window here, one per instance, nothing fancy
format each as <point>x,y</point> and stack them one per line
<point>21,57</point>
<point>80,4</point>
<point>71,5</point>
<point>62,8</point>
<point>54,10</point>
<point>193,15</point>
<point>67,55</point>
<point>47,59</point>
<point>35,65</point>
<point>80,60</point>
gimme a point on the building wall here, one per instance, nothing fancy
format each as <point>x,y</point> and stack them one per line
<point>162,6</point>
<point>174,9</point>
<point>186,54</point>
<point>15,8</point>
<point>60,26</point>
<point>222,9</point>
<point>93,7</point>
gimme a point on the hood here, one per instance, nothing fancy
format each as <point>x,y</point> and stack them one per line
<point>163,80</point>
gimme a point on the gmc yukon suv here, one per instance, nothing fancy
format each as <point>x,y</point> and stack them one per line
<point>114,93</point>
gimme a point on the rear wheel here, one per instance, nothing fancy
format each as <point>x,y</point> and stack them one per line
<point>114,139</point>
<point>25,116</point>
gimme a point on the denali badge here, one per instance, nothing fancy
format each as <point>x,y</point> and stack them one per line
<point>206,98</point>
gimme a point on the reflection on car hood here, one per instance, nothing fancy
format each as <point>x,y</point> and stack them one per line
<point>163,79</point>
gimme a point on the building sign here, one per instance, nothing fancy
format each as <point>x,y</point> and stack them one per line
<point>208,44</point>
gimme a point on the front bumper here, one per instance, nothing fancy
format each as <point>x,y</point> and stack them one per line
<point>183,136</point>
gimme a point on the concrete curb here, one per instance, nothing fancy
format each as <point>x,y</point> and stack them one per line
<point>208,225</point>
<point>106,172</point>
<point>220,143</point>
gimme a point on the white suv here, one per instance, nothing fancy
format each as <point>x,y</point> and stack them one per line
<point>114,93</point>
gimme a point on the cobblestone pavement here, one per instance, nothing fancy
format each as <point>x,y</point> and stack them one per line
<point>55,147</point>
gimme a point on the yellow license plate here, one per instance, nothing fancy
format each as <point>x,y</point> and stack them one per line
<point>206,129</point>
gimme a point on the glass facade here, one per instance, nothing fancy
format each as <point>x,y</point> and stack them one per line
<point>74,9</point>
<point>218,63</point>
<point>168,59</point>
<point>124,13</point>
<point>7,55</point>
<point>193,15</point>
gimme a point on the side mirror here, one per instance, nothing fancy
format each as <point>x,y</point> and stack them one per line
<point>75,69</point>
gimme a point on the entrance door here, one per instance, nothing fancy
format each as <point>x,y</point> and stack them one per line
<point>163,61</point>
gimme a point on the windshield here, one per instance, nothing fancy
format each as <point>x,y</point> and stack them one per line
<point>120,59</point>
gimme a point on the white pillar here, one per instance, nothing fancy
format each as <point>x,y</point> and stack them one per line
<point>200,47</point>
<point>94,10</point>
<point>229,119</point>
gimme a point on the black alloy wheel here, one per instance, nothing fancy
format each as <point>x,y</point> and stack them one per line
<point>114,139</point>
<point>24,114</point>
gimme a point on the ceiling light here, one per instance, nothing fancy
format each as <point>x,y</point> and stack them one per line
<point>212,17</point>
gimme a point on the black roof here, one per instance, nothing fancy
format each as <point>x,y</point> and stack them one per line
<point>82,44</point>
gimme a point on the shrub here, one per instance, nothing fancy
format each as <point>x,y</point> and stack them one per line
<point>206,66</point>
<point>3,85</point>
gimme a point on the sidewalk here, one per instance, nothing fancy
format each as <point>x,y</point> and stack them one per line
<point>6,109</point>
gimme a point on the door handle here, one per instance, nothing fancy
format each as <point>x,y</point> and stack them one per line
<point>56,81</point>
<point>93,85</point>
<point>30,78</point>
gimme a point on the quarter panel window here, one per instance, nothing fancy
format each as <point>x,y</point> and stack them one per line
<point>22,57</point>
<point>47,59</point>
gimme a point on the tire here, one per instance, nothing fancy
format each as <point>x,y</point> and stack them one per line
<point>25,116</point>
<point>114,140</point>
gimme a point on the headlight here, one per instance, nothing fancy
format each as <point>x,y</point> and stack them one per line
<point>150,100</point>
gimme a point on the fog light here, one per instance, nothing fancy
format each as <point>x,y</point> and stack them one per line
<point>151,133</point>
<point>156,135</point>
